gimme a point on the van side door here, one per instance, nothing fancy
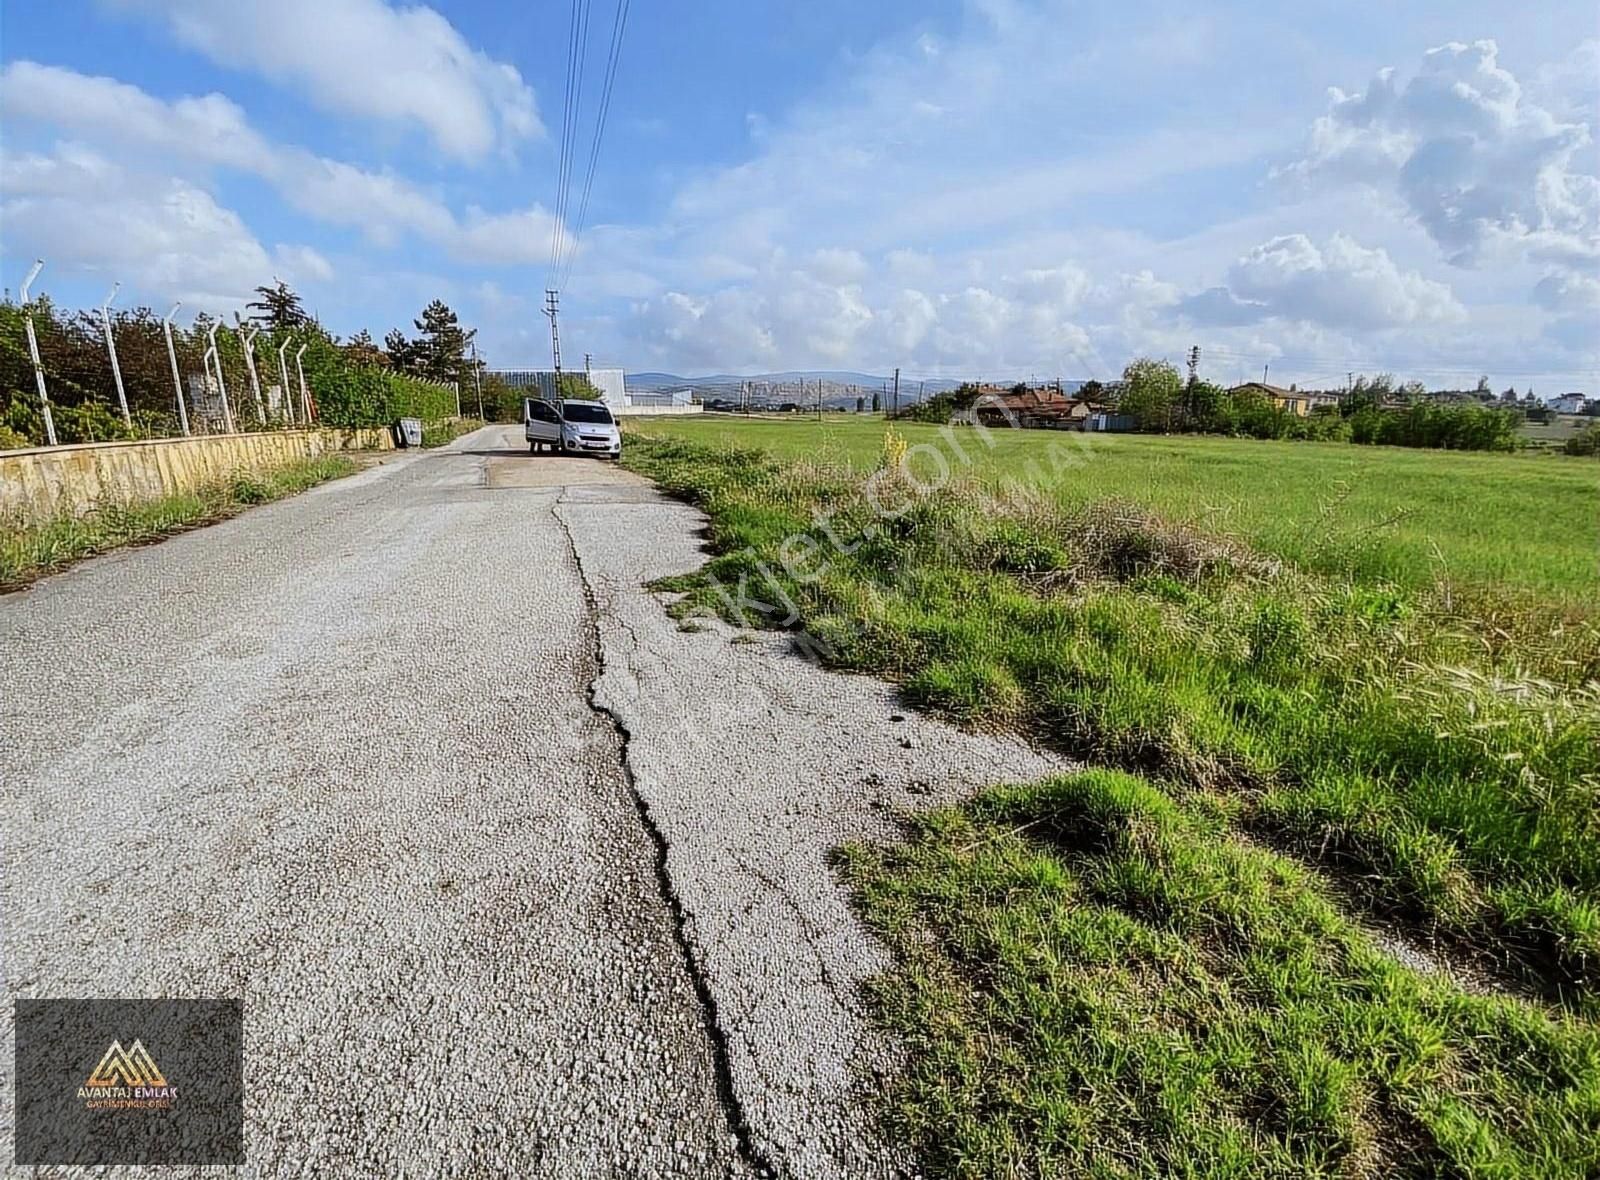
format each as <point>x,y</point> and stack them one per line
<point>544,422</point>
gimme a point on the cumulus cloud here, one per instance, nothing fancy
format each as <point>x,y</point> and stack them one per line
<point>803,316</point>
<point>368,59</point>
<point>212,131</point>
<point>1341,285</point>
<point>89,214</point>
<point>1477,162</point>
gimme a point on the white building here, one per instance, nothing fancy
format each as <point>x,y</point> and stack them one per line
<point>1569,403</point>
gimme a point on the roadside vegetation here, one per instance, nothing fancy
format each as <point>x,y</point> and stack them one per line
<point>31,550</point>
<point>1097,978</point>
<point>1423,737</point>
<point>354,382</point>
<point>1488,526</point>
<point>438,434</point>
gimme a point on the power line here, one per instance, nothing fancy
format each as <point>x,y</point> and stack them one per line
<point>618,27</point>
<point>577,44</point>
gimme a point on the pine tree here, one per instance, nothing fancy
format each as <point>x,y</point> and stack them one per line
<point>278,308</point>
<point>441,345</point>
<point>362,351</point>
<point>401,354</point>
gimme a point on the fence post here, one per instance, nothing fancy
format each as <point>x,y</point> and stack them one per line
<point>222,385</point>
<point>111,347</point>
<point>177,380</point>
<point>305,394</point>
<point>33,351</point>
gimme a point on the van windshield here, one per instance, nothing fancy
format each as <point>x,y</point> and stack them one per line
<point>586,412</point>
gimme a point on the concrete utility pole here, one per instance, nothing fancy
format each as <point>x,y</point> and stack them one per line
<point>111,347</point>
<point>305,394</point>
<point>222,385</point>
<point>819,399</point>
<point>247,343</point>
<point>897,391</point>
<point>177,380</point>
<point>552,307</point>
<point>33,352</point>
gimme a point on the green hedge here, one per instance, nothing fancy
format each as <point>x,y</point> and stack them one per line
<point>351,395</point>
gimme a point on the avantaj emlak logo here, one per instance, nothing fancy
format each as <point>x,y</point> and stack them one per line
<point>127,1079</point>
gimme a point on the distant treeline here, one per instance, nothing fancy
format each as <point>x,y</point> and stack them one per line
<point>1160,401</point>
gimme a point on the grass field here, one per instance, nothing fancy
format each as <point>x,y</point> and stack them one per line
<point>1300,673</point>
<point>1412,517</point>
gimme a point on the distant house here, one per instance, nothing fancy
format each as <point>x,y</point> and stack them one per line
<point>1040,408</point>
<point>1299,402</point>
<point>1569,403</point>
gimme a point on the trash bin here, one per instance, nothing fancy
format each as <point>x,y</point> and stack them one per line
<point>408,432</point>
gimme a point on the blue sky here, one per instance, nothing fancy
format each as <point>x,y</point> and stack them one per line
<point>987,187</point>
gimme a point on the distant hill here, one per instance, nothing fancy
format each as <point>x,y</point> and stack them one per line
<point>652,380</point>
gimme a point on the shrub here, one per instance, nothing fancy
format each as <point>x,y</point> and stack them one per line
<point>1585,442</point>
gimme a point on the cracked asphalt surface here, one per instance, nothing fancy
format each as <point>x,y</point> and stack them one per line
<point>414,765</point>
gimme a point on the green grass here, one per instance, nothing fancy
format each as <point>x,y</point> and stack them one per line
<point>438,434</point>
<point>1328,693</point>
<point>1496,523</point>
<point>1454,781</point>
<point>30,550</point>
<point>1099,980</point>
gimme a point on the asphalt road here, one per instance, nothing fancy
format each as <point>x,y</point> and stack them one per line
<point>415,766</point>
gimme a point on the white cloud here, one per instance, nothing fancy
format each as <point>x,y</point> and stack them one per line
<point>1477,162</point>
<point>832,265</point>
<point>212,131</point>
<point>1341,285</point>
<point>162,235</point>
<point>368,59</point>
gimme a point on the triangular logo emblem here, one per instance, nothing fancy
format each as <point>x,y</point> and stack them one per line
<point>126,1067</point>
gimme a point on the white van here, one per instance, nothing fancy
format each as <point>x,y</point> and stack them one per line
<point>572,427</point>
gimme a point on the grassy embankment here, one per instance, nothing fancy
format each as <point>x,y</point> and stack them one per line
<point>1132,974</point>
<point>446,431</point>
<point>30,550</point>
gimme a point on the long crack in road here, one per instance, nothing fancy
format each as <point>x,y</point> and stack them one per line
<point>512,875</point>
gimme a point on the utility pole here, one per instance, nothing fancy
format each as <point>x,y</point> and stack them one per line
<point>177,380</point>
<point>897,391</point>
<point>111,347</point>
<point>33,351</point>
<point>1264,369</point>
<point>819,399</point>
<point>552,301</point>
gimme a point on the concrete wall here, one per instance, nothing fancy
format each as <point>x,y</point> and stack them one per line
<point>633,411</point>
<point>42,482</point>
